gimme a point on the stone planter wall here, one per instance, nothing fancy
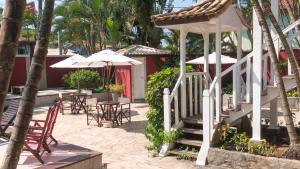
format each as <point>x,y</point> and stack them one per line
<point>237,160</point>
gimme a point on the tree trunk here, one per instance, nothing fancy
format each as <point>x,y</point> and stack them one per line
<point>25,111</point>
<point>272,52</point>
<point>288,50</point>
<point>292,17</point>
<point>9,36</point>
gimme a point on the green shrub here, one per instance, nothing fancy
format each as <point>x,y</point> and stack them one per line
<point>263,148</point>
<point>82,78</point>
<point>231,139</point>
<point>166,78</point>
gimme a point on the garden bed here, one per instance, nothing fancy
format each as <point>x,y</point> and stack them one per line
<point>235,159</point>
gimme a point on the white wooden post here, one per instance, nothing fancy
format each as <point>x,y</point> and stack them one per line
<point>257,82</point>
<point>183,71</point>
<point>273,103</point>
<point>248,80</point>
<point>167,110</point>
<point>196,94</point>
<point>206,118</point>
<point>218,70</point>
<point>206,51</point>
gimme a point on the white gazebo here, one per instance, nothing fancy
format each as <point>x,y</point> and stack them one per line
<point>215,17</point>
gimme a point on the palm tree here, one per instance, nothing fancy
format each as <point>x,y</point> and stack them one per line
<point>288,50</point>
<point>25,111</point>
<point>9,35</point>
<point>271,50</point>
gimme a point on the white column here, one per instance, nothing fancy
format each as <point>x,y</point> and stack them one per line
<point>183,34</point>
<point>167,110</point>
<point>206,51</point>
<point>218,70</point>
<point>257,81</point>
<point>273,103</point>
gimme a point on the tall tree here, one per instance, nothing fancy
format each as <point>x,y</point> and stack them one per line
<point>273,56</point>
<point>9,35</point>
<point>25,110</point>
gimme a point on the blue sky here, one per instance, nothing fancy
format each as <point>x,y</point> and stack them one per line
<point>177,3</point>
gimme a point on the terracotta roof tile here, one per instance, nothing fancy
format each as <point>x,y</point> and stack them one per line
<point>198,13</point>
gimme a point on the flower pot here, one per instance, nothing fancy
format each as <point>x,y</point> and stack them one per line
<point>115,96</point>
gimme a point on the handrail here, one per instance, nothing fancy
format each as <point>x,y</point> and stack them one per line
<point>213,84</point>
<point>244,59</point>
<point>195,73</point>
<point>287,29</point>
<point>176,86</point>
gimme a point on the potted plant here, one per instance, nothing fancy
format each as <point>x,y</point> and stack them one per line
<point>293,99</point>
<point>115,90</point>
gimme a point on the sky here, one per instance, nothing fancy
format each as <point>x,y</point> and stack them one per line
<point>177,3</point>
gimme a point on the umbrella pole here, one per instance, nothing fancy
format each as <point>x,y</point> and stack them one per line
<point>107,81</point>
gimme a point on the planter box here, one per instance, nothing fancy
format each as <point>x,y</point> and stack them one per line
<point>234,159</point>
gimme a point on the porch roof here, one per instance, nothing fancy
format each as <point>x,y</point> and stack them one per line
<point>202,17</point>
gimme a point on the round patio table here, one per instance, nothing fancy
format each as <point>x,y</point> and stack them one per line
<point>79,102</point>
<point>109,109</point>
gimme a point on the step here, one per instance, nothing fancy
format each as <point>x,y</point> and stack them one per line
<point>181,152</point>
<point>192,121</point>
<point>196,143</point>
<point>192,131</point>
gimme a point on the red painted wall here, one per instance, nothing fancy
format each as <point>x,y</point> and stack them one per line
<point>123,76</point>
<point>19,74</point>
<point>283,57</point>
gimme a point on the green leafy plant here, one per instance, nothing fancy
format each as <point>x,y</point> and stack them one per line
<point>166,78</point>
<point>82,79</point>
<point>231,139</point>
<point>228,89</point>
<point>115,88</point>
<point>97,90</point>
<point>240,141</point>
<point>263,148</point>
<point>159,137</point>
<point>292,93</point>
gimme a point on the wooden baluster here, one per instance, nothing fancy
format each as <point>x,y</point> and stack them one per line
<point>201,94</point>
<point>191,94</point>
<point>196,94</point>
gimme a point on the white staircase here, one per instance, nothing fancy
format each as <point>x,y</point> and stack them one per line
<point>194,101</point>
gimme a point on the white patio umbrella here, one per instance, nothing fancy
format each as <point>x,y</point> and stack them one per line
<point>107,58</point>
<point>212,59</point>
<point>69,62</point>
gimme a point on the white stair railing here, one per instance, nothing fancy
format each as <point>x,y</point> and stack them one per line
<point>208,97</point>
<point>196,83</point>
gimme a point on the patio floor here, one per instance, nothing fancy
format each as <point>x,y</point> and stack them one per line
<point>122,147</point>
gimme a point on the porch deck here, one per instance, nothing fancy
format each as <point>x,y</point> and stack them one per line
<point>64,155</point>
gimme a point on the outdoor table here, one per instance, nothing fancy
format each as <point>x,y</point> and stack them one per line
<point>109,109</point>
<point>79,102</point>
